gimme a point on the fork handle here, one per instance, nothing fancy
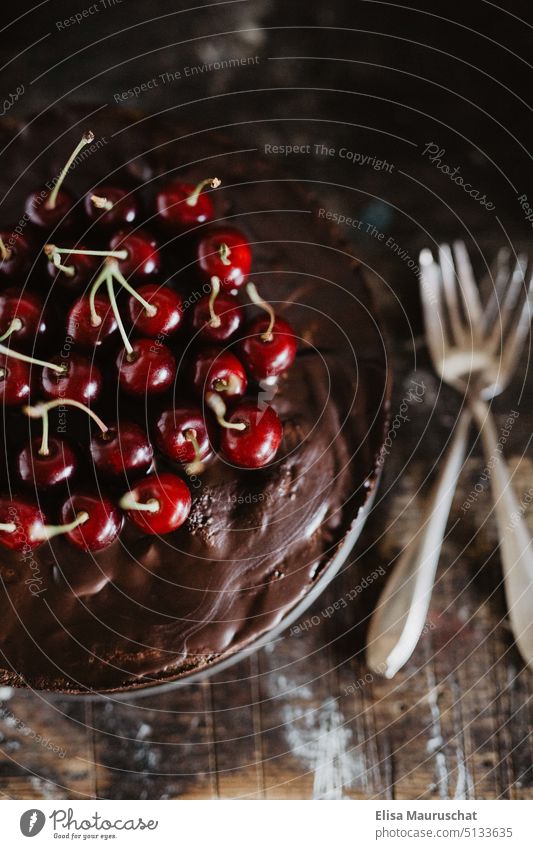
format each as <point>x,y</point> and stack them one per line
<point>401,612</point>
<point>516,550</point>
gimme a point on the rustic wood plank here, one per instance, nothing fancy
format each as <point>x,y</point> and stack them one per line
<point>236,732</point>
<point>153,746</point>
<point>43,745</point>
<point>292,696</point>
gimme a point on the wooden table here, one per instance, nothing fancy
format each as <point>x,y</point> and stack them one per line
<point>303,718</point>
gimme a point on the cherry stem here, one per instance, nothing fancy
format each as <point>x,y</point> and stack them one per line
<point>111,271</point>
<point>101,203</point>
<point>103,275</point>
<point>196,467</point>
<point>33,360</point>
<point>212,182</point>
<point>256,298</point>
<point>51,250</point>
<point>15,324</point>
<point>40,411</point>
<point>111,292</point>
<point>215,289</point>
<point>224,384</point>
<point>69,270</point>
<point>216,404</point>
<point>119,277</point>
<point>55,530</point>
<point>87,138</point>
<point>129,502</point>
<point>8,527</point>
<point>224,254</point>
<point>5,252</point>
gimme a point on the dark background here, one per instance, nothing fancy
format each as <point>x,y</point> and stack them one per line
<point>380,78</point>
<point>383,79</point>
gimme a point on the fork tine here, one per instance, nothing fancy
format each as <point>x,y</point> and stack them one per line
<point>499,277</point>
<point>467,286</point>
<point>431,296</point>
<point>450,293</point>
<point>512,350</point>
<point>507,303</point>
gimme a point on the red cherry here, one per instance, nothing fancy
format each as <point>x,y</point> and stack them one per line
<point>102,526</point>
<point>123,450</point>
<point>15,254</point>
<point>159,504</point>
<point>183,435</point>
<point>257,444</point>
<point>267,354</point>
<point>181,206</point>
<point>15,381</point>
<point>218,371</point>
<point>80,326</point>
<point>47,217</point>
<point>81,380</point>
<point>45,471</point>
<point>111,206</point>
<point>228,312</point>
<point>169,311</point>
<point>28,309</point>
<point>143,259</point>
<point>76,272</point>
<point>21,524</point>
<point>225,253</point>
<point>149,370</point>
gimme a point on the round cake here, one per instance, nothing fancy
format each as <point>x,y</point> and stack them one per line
<point>255,534</point>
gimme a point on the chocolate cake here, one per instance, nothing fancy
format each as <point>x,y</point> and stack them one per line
<point>154,608</point>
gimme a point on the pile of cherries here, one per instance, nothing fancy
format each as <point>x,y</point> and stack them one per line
<point>122,311</point>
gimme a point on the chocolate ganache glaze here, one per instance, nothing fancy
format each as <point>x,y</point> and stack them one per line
<point>151,609</point>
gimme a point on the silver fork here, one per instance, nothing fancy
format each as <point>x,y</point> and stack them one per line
<point>475,350</point>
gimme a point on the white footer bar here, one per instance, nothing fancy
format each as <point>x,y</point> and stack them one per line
<point>229,824</point>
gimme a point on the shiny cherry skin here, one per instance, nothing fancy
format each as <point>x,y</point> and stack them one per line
<point>80,327</point>
<point>229,312</point>
<point>28,307</point>
<point>149,370</point>
<point>81,380</point>
<point>256,446</point>
<point>175,214</point>
<point>15,381</point>
<point>171,431</point>
<point>45,471</point>
<point>168,317</point>
<point>143,260</point>
<point>123,450</point>
<point>101,528</point>
<point>232,273</point>
<point>19,258</point>
<point>173,497</point>
<point>45,218</point>
<point>218,371</point>
<point>29,520</point>
<point>123,213</point>
<point>84,266</point>
<point>268,358</point>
